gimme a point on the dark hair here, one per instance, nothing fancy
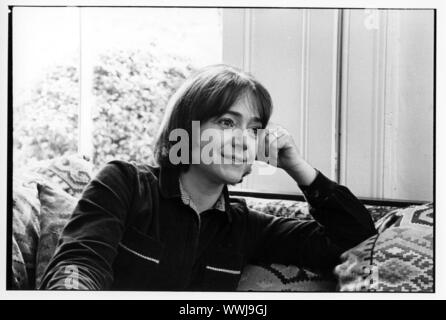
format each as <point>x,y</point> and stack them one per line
<point>208,93</point>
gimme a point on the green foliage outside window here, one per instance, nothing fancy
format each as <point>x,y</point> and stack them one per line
<point>130,92</point>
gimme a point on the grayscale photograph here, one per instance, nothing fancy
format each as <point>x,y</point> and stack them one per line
<point>221,149</point>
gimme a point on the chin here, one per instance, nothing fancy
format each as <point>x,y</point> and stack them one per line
<point>234,174</point>
<point>227,173</point>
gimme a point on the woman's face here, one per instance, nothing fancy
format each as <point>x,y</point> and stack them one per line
<point>231,154</point>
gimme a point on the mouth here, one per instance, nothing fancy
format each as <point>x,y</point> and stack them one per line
<point>236,160</point>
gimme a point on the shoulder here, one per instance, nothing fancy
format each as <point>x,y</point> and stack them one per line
<point>241,209</point>
<point>131,169</point>
<point>128,175</point>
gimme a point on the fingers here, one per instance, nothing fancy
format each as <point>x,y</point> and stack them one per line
<point>267,150</point>
<point>277,130</point>
<point>279,147</point>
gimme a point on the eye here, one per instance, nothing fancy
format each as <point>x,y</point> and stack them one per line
<point>226,123</point>
<point>253,131</point>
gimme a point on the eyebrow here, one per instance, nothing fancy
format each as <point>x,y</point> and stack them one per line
<point>239,115</point>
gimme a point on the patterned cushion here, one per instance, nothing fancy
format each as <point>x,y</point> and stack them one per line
<point>70,173</point>
<point>277,277</point>
<point>280,208</point>
<point>25,232</point>
<point>299,209</point>
<point>399,259</point>
<point>56,209</point>
<point>377,212</point>
<point>19,270</point>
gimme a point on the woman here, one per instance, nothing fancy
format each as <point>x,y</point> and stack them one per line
<point>174,226</point>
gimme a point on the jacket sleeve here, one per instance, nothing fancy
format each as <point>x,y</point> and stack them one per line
<point>340,222</point>
<point>88,244</point>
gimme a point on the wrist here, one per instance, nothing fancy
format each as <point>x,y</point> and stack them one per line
<point>302,172</point>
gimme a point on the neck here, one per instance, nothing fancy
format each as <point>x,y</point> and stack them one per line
<point>203,191</point>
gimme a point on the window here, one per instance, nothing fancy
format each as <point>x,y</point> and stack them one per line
<point>46,83</point>
<point>96,80</point>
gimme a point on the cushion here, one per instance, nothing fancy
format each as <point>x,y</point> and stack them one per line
<point>19,269</point>
<point>398,259</point>
<point>277,277</point>
<point>69,173</point>
<point>280,208</point>
<point>299,209</point>
<point>56,209</point>
<point>25,233</point>
<point>377,212</point>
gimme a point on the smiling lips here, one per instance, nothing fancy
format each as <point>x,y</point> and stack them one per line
<point>235,159</point>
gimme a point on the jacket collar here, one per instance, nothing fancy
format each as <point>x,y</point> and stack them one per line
<point>169,184</point>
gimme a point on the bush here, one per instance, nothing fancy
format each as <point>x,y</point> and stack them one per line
<point>131,95</point>
<point>130,90</point>
<point>46,125</point>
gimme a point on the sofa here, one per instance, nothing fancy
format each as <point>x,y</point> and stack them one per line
<point>397,259</point>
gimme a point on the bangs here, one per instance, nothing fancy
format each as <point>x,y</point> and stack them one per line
<point>222,95</point>
<point>260,101</point>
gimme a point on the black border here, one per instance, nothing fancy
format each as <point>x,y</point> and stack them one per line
<point>370,201</point>
<point>434,146</point>
<point>9,165</point>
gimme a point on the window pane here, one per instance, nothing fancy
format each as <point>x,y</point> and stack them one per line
<point>46,83</point>
<point>138,57</point>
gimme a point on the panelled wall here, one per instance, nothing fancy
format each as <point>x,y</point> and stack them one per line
<point>387,103</point>
<point>354,88</point>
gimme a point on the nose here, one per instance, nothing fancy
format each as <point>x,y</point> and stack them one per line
<point>243,143</point>
<point>240,141</point>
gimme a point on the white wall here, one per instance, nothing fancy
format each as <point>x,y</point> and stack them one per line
<point>291,52</point>
<point>387,104</point>
<point>376,76</point>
